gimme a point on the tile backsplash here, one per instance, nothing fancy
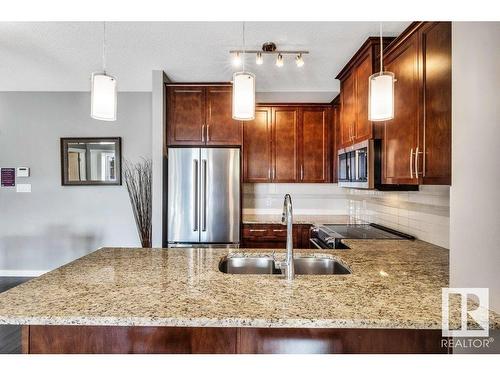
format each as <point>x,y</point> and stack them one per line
<point>424,214</point>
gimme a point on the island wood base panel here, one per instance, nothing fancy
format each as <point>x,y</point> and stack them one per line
<point>204,340</point>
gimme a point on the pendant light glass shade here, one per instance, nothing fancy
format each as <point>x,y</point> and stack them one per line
<point>103,97</point>
<point>381,96</point>
<point>243,96</point>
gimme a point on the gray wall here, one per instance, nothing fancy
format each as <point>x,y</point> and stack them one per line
<point>474,197</point>
<point>54,224</point>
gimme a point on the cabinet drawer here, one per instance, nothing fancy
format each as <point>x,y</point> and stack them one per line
<point>274,236</point>
<point>264,231</point>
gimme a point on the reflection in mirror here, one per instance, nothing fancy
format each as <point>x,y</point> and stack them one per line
<point>91,161</point>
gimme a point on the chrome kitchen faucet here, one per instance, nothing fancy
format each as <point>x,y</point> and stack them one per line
<point>287,219</point>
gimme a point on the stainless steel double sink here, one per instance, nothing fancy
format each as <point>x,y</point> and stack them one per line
<point>266,265</point>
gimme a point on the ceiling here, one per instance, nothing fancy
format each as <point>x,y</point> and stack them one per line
<point>59,56</point>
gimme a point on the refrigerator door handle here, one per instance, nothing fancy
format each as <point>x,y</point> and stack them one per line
<point>204,195</point>
<point>195,195</point>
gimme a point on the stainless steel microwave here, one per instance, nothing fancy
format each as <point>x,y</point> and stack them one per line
<point>359,165</point>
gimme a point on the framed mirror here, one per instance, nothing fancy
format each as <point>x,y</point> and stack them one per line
<point>91,161</point>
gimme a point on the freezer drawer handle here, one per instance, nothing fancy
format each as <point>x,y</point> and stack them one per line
<point>195,195</point>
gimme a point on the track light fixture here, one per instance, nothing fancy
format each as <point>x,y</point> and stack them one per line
<point>269,48</point>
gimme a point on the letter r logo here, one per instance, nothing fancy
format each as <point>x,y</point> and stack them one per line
<point>479,314</point>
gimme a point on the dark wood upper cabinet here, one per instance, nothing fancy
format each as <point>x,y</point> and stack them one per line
<point>401,133</point>
<point>315,144</point>
<point>221,128</point>
<point>363,128</point>
<point>284,143</point>
<point>417,142</point>
<point>435,42</point>
<point>257,147</point>
<point>201,115</point>
<point>288,143</point>
<point>354,124</point>
<point>186,115</point>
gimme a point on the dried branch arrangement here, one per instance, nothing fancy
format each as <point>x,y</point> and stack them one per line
<point>138,179</point>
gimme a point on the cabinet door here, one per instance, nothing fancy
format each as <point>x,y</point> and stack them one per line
<point>401,133</point>
<point>257,147</point>
<point>435,163</point>
<point>284,144</point>
<point>221,128</point>
<point>348,99</point>
<point>363,127</point>
<point>186,115</point>
<point>314,144</point>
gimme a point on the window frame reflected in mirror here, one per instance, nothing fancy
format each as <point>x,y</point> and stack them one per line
<point>65,144</point>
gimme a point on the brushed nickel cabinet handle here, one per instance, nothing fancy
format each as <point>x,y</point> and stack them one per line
<point>208,132</point>
<point>302,172</point>
<point>416,162</point>
<point>257,230</point>
<point>417,152</point>
<point>411,163</point>
<point>279,230</point>
<point>203,133</point>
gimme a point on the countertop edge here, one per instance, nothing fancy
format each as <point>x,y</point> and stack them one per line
<point>217,323</point>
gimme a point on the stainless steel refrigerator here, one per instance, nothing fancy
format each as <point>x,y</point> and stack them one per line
<point>203,196</point>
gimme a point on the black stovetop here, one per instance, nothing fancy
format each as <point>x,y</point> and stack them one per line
<point>331,235</point>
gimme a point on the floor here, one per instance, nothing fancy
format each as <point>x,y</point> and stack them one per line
<point>10,336</point>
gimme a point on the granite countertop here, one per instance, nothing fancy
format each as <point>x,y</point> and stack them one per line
<point>299,219</point>
<point>394,284</point>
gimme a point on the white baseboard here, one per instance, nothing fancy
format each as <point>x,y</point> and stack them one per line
<point>22,273</point>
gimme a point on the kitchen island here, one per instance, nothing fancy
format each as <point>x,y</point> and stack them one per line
<point>128,300</point>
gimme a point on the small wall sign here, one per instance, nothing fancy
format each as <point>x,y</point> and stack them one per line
<point>8,176</point>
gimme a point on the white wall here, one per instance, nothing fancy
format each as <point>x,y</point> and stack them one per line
<point>55,224</point>
<point>474,198</point>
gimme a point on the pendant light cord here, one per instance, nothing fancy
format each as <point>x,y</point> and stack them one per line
<point>381,51</point>
<point>244,45</point>
<point>104,47</point>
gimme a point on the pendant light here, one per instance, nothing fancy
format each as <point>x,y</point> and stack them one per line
<point>243,91</point>
<point>381,92</point>
<point>103,94</point>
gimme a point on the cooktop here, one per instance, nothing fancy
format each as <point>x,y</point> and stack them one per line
<point>331,235</point>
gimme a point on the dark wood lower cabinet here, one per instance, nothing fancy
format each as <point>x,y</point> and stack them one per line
<point>202,340</point>
<point>128,340</point>
<point>273,236</point>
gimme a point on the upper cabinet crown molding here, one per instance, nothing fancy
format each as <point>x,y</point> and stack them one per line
<point>372,46</point>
